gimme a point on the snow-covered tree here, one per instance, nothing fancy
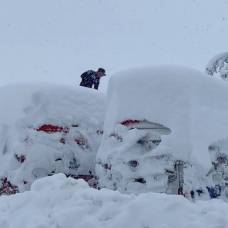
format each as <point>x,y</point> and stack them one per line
<point>218,66</point>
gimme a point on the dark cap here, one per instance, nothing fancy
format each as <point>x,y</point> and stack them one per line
<point>102,70</point>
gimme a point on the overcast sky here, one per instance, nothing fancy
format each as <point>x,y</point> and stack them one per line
<point>56,40</point>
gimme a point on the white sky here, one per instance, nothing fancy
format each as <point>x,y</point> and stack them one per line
<point>56,40</point>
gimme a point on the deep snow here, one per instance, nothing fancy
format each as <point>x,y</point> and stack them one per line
<point>56,40</point>
<point>57,202</point>
<point>188,110</point>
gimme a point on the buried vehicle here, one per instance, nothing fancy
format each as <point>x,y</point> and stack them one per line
<point>159,126</point>
<point>49,130</point>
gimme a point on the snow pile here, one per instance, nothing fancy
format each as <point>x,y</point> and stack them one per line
<point>159,125</point>
<point>60,202</point>
<point>46,130</point>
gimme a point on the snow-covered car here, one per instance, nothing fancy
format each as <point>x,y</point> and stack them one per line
<point>159,125</point>
<point>46,130</point>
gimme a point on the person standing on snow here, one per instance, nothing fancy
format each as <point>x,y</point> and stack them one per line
<point>91,78</point>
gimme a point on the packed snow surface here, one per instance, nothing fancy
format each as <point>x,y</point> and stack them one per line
<point>65,203</point>
<point>191,104</point>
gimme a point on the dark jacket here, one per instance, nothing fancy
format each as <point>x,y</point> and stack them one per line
<point>90,79</point>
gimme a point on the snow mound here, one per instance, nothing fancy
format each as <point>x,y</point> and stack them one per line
<point>159,125</point>
<point>60,202</point>
<point>48,129</point>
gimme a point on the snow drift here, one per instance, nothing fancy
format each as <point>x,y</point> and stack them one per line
<point>46,130</point>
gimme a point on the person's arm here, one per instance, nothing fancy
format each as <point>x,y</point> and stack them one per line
<point>96,84</point>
